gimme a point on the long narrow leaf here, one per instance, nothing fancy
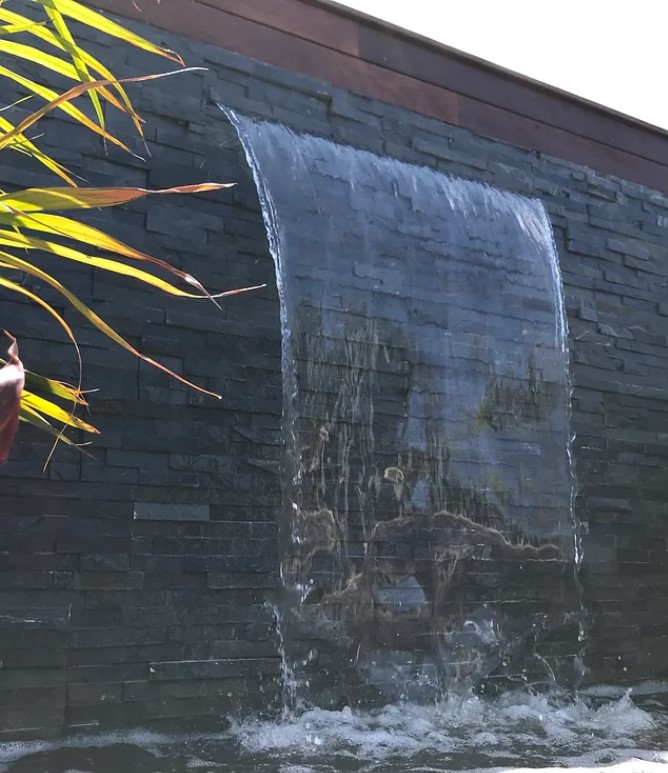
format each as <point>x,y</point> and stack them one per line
<point>94,319</point>
<point>15,29</point>
<point>57,65</point>
<point>95,20</point>
<point>20,240</point>
<point>32,54</point>
<point>81,232</point>
<point>46,35</point>
<point>68,43</point>
<point>53,387</point>
<point>55,100</point>
<point>31,416</point>
<point>76,91</point>
<point>24,145</point>
<point>21,290</point>
<point>47,408</point>
<point>54,199</point>
<point>65,227</point>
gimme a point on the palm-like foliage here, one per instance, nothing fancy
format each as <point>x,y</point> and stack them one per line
<point>29,219</point>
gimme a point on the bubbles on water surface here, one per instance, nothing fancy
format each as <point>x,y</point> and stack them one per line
<point>515,732</point>
<point>471,731</point>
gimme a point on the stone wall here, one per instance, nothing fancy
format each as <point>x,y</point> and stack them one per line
<point>133,581</point>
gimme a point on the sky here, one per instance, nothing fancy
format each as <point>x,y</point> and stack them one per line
<point>613,53</point>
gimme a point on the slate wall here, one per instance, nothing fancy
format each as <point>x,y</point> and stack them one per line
<point>133,582</point>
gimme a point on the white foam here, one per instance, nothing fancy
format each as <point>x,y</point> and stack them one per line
<point>195,763</point>
<point>453,726</point>
<point>11,751</point>
<point>457,734</point>
<point>630,766</point>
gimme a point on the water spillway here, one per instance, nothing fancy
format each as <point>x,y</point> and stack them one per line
<point>428,538</point>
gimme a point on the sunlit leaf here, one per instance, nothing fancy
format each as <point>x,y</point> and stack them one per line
<point>20,240</point>
<point>17,28</point>
<point>24,145</point>
<point>54,411</point>
<point>93,237</point>
<point>53,387</point>
<point>75,91</point>
<point>57,65</point>
<point>22,51</point>
<point>95,20</point>
<point>67,42</point>
<point>93,318</point>
<point>31,416</point>
<point>55,100</point>
<point>53,199</point>
<point>45,34</point>
<point>21,290</point>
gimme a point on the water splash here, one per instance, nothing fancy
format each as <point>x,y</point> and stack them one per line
<point>517,730</point>
<point>551,726</point>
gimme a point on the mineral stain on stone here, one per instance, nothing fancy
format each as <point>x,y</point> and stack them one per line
<point>510,401</point>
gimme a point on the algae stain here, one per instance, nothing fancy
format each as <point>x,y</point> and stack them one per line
<point>510,401</point>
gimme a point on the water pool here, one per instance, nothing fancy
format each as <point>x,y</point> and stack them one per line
<point>603,729</point>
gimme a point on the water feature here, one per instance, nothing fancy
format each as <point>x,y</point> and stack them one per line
<point>428,539</point>
<point>428,542</point>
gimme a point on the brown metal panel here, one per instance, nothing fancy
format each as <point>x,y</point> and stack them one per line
<point>469,78</point>
<point>212,25</point>
<point>422,77</point>
<point>297,18</point>
<point>395,88</point>
<point>527,133</point>
<point>182,17</point>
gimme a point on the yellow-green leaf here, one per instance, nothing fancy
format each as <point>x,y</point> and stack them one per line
<point>61,101</point>
<point>52,386</point>
<point>22,144</point>
<point>31,416</point>
<point>21,241</point>
<point>68,43</point>
<point>53,199</point>
<point>32,54</point>
<point>93,318</point>
<point>54,411</point>
<point>15,29</point>
<point>45,34</point>
<point>95,20</point>
<point>21,290</point>
<point>71,94</point>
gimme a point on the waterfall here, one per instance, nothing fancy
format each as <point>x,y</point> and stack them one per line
<point>428,536</point>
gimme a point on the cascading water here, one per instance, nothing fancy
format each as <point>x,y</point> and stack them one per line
<point>428,538</point>
<point>428,535</point>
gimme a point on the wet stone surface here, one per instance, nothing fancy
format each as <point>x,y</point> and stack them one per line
<point>428,538</point>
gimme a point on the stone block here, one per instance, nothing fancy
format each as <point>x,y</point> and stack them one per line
<point>23,709</point>
<point>106,562</point>
<point>213,669</point>
<point>96,580</point>
<point>92,694</point>
<point>161,511</point>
